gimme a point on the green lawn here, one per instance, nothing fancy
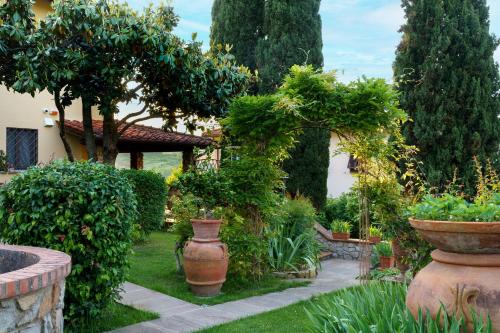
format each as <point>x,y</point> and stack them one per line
<point>163,163</point>
<point>116,316</point>
<point>290,319</point>
<point>153,267</point>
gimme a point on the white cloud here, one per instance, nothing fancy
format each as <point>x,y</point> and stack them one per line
<point>193,26</point>
<point>389,16</point>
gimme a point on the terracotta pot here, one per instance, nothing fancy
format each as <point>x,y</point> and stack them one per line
<point>386,262</point>
<point>206,229</point>
<point>399,254</point>
<point>461,237</point>
<point>205,259</point>
<point>375,239</point>
<point>341,235</point>
<point>459,282</point>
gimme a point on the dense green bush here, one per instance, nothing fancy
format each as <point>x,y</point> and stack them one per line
<point>151,193</point>
<point>345,208</point>
<point>449,207</point>
<point>292,245</point>
<point>380,308</point>
<point>84,209</point>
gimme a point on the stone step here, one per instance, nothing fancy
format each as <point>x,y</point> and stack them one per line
<point>325,255</point>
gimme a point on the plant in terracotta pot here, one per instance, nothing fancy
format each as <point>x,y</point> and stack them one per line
<point>205,256</point>
<point>385,255</point>
<point>375,235</point>
<point>341,230</point>
<point>467,237</point>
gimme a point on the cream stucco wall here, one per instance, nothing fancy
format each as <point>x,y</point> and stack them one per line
<point>24,111</point>
<point>340,179</point>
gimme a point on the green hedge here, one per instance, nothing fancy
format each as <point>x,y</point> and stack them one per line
<point>84,209</point>
<point>151,192</point>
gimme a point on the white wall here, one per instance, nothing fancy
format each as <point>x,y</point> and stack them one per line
<point>340,179</point>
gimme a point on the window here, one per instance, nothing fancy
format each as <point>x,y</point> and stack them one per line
<point>22,148</point>
<point>353,164</point>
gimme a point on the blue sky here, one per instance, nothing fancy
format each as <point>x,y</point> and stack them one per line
<point>359,36</point>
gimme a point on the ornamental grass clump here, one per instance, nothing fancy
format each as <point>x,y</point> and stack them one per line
<point>380,308</point>
<point>84,209</point>
<point>384,249</point>
<point>339,226</point>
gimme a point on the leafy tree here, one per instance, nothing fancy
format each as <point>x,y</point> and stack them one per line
<point>105,53</point>
<point>449,85</point>
<point>238,23</point>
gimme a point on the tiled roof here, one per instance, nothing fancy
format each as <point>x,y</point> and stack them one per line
<point>140,134</point>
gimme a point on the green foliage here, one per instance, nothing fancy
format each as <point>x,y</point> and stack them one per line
<point>449,82</point>
<point>340,226</point>
<point>345,207</point>
<point>84,209</point>
<point>292,245</point>
<point>184,208</point>
<point>247,249</point>
<point>380,308</point>
<point>3,161</point>
<point>454,208</point>
<point>238,23</point>
<point>375,231</point>
<point>211,187</point>
<point>151,193</point>
<point>292,37</point>
<point>384,249</point>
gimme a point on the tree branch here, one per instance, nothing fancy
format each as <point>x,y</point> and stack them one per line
<point>131,115</point>
<point>133,122</point>
<point>62,127</point>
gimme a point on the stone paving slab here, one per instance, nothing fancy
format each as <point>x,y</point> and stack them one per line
<point>177,316</point>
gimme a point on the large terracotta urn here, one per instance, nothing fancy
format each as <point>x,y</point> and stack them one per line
<point>464,275</point>
<point>205,259</point>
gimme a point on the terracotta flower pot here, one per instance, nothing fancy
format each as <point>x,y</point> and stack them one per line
<point>463,275</point>
<point>375,239</point>
<point>460,237</point>
<point>386,262</point>
<point>399,254</point>
<point>341,235</point>
<point>205,259</point>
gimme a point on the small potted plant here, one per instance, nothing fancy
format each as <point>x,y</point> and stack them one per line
<point>385,255</point>
<point>341,230</point>
<point>375,235</point>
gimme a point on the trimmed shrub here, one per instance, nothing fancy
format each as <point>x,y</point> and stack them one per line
<point>151,193</point>
<point>84,209</point>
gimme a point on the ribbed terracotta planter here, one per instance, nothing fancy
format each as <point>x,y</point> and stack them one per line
<point>205,259</point>
<point>465,272</point>
<point>374,239</point>
<point>386,262</point>
<point>341,235</point>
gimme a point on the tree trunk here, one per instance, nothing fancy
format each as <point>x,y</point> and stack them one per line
<point>109,139</point>
<point>89,130</point>
<point>62,127</point>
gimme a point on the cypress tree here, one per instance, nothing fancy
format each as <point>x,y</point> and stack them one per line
<point>272,36</point>
<point>293,36</point>
<point>238,23</point>
<point>450,85</point>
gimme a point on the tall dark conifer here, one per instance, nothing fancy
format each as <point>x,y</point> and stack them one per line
<point>450,87</point>
<point>271,36</point>
<point>238,23</point>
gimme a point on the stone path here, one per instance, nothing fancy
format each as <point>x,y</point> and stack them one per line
<point>177,316</point>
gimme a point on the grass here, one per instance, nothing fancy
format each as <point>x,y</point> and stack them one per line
<point>163,163</point>
<point>153,267</point>
<point>115,316</point>
<point>290,319</point>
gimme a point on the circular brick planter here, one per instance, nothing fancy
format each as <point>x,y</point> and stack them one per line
<point>32,289</point>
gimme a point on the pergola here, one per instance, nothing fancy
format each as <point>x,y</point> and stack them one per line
<point>139,139</point>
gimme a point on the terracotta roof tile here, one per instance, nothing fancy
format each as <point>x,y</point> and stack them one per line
<point>142,134</point>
